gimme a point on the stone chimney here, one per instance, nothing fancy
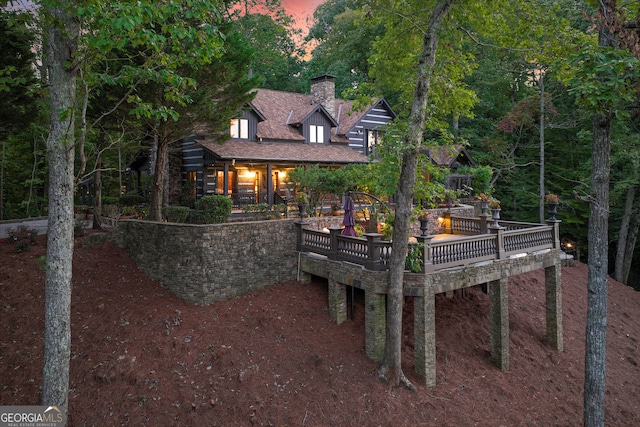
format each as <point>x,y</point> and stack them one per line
<point>323,89</point>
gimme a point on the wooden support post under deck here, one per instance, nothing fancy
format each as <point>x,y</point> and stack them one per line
<point>337,301</point>
<point>375,324</point>
<point>424,329</point>
<point>499,300</point>
<point>553,291</point>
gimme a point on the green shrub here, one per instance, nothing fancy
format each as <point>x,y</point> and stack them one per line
<point>257,211</point>
<point>131,200</point>
<point>175,213</point>
<point>22,239</point>
<point>129,210</point>
<point>213,209</point>
<point>110,200</point>
<point>110,210</point>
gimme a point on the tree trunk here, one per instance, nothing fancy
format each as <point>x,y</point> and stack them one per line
<point>621,253</point>
<point>598,241</point>
<point>61,44</point>
<point>391,362</point>
<point>97,201</point>
<point>631,245</point>
<point>157,192</point>
<point>597,289</point>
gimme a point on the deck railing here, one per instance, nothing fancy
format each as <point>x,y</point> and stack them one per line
<point>370,251</point>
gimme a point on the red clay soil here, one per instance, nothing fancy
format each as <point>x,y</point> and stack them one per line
<point>141,356</point>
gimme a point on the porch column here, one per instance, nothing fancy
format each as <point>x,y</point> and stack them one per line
<point>225,186</point>
<point>424,330</point>
<point>375,324</point>
<point>269,186</point>
<point>499,300</point>
<point>337,301</point>
<point>553,290</point>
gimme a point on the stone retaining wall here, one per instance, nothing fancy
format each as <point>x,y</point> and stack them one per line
<point>207,263</point>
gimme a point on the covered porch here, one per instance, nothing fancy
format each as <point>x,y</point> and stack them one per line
<point>256,172</point>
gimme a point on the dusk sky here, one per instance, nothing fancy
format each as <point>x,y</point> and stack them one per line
<point>300,9</point>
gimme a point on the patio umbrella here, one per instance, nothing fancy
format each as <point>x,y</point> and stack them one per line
<point>349,219</point>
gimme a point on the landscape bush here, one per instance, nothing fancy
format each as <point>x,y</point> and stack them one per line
<point>213,209</point>
<point>175,213</point>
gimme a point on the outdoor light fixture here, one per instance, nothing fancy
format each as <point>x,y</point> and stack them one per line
<point>568,245</point>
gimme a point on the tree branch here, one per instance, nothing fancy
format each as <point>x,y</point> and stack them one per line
<point>479,43</point>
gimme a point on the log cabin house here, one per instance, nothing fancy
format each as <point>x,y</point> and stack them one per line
<point>277,132</point>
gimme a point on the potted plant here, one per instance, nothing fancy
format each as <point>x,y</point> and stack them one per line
<point>552,200</point>
<point>484,202</point>
<point>303,202</point>
<point>450,197</point>
<point>422,214</point>
<point>494,205</point>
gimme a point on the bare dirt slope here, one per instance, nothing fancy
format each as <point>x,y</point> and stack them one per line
<point>141,356</point>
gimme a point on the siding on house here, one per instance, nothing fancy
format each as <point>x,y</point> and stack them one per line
<point>376,118</point>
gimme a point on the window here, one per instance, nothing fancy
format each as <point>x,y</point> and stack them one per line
<point>190,185</point>
<point>316,134</point>
<point>373,138</point>
<point>239,128</point>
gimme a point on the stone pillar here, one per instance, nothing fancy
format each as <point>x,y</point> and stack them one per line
<point>375,324</point>
<point>424,328</point>
<point>553,288</point>
<point>337,301</point>
<point>499,232</point>
<point>499,300</point>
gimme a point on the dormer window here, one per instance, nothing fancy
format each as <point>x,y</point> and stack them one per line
<point>239,129</point>
<point>316,134</point>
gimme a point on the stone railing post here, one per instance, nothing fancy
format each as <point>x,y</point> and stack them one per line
<point>499,232</point>
<point>424,243</point>
<point>373,251</point>
<point>484,226</point>
<point>300,247</point>
<point>556,231</point>
<point>334,253</point>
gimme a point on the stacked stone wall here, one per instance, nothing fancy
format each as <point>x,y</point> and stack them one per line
<point>207,263</point>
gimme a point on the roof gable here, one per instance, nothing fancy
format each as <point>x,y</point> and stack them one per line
<point>284,112</point>
<point>348,118</point>
<point>449,155</point>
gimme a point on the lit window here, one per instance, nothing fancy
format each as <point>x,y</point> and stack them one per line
<point>239,128</point>
<point>373,138</point>
<point>316,134</point>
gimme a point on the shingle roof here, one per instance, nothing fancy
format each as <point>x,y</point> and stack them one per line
<point>284,109</point>
<point>447,155</point>
<point>284,152</point>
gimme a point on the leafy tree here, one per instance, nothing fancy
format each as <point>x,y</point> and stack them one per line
<point>18,110</point>
<point>172,75</point>
<point>62,30</point>
<point>275,56</point>
<point>604,79</point>
<point>391,366</point>
<point>345,37</point>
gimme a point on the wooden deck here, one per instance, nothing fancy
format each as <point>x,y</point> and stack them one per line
<point>469,253</point>
<point>467,241</point>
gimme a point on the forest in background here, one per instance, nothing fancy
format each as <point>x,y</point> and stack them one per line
<point>501,87</point>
